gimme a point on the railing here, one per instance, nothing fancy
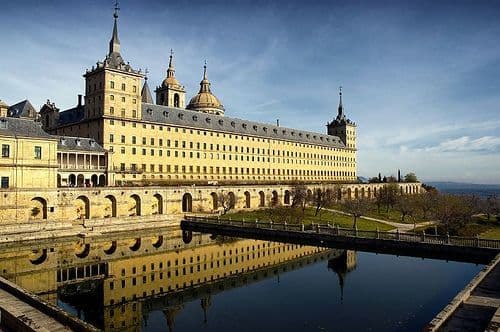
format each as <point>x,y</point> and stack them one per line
<point>354,232</point>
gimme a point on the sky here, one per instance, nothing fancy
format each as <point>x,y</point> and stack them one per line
<point>421,79</point>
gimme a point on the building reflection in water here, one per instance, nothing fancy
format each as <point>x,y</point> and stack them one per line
<point>117,281</point>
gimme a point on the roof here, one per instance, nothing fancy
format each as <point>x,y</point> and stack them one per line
<point>70,143</point>
<point>23,109</point>
<point>72,115</point>
<point>204,121</point>
<point>16,127</point>
<point>145,93</point>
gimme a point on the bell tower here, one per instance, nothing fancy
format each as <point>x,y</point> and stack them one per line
<point>342,127</point>
<point>171,93</point>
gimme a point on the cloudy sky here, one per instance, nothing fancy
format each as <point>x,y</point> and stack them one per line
<point>421,79</point>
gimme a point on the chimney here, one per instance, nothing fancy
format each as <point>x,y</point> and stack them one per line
<point>79,100</point>
<point>277,122</point>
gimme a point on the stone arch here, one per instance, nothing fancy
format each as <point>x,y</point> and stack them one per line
<point>401,190</point>
<point>94,180</point>
<point>247,200</point>
<point>102,180</point>
<point>339,194</point>
<point>110,209</point>
<point>59,180</point>
<point>158,243</point>
<point>80,180</point>
<point>215,201</point>
<point>111,249</point>
<point>187,202</point>
<point>72,180</point>
<point>176,100</point>
<point>286,198</point>
<point>369,192</point>
<point>82,250</point>
<point>349,193</point>
<point>82,205</point>
<point>356,194</point>
<point>231,199</point>
<point>362,192</point>
<point>274,198</point>
<point>36,257</point>
<point>38,208</point>
<point>375,192</point>
<point>158,202</point>
<point>136,245</point>
<point>134,206</point>
<point>262,199</point>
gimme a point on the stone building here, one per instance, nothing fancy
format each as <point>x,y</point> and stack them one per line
<point>169,142</point>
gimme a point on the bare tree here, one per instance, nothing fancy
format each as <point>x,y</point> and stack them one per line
<point>356,207</point>
<point>453,211</point>
<point>323,198</point>
<point>226,200</point>
<point>492,206</point>
<point>406,206</point>
<point>300,199</point>
<point>388,195</point>
<point>426,202</point>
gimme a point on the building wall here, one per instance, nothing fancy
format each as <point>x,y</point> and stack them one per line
<point>77,204</point>
<point>21,166</point>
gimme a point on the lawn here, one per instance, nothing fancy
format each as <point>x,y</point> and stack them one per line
<point>324,217</point>
<point>392,215</point>
<point>479,226</point>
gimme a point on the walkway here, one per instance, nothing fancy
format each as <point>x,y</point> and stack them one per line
<point>400,226</point>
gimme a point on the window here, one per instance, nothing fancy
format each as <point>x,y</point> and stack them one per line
<point>134,113</point>
<point>38,152</point>
<point>112,84</point>
<point>134,88</point>
<point>5,182</point>
<point>111,97</point>
<point>123,86</point>
<point>123,139</point>
<point>5,151</point>
<point>111,110</point>
<point>133,140</point>
<point>111,138</point>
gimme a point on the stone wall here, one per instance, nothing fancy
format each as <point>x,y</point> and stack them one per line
<point>78,204</point>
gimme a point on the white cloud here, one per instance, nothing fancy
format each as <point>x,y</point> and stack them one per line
<point>467,144</point>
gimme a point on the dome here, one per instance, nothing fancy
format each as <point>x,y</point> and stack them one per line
<point>169,81</point>
<point>205,101</point>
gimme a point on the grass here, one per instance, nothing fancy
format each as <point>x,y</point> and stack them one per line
<point>391,215</point>
<point>479,226</point>
<point>324,217</point>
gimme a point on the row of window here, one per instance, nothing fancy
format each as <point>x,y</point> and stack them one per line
<point>224,135</point>
<point>112,84</point>
<point>232,170</point>
<point>6,151</point>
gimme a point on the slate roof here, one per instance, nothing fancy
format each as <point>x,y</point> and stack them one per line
<point>70,143</point>
<point>15,127</point>
<point>146,94</point>
<point>204,121</point>
<point>72,115</point>
<point>22,109</point>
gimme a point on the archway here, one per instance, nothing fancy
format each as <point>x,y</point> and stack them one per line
<point>72,180</point>
<point>80,180</point>
<point>362,192</point>
<point>187,203</point>
<point>339,194</point>
<point>102,180</point>
<point>215,202</point>
<point>262,199</point>
<point>231,200</point>
<point>158,202</point>
<point>247,199</point>
<point>286,199</point>
<point>134,205</point>
<point>110,209</point>
<point>369,193</point>
<point>94,180</point>
<point>375,191</point>
<point>38,208</point>
<point>59,180</point>
<point>274,198</point>
<point>349,194</point>
<point>356,194</point>
<point>82,205</point>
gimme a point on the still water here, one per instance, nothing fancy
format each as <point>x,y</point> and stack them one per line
<point>156,282</point>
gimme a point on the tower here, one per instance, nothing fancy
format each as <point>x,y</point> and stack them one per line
<point>49,115</point>
<point>205,101</point>
<point>171,93</point>
<point>112,87</point>
<point>342,127</point>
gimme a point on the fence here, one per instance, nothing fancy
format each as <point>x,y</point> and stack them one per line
<point>329,229</point>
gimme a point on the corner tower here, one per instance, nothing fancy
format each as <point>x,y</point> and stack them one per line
<point>342,127</point>
<point>113,87</point>
<point>171,93</point>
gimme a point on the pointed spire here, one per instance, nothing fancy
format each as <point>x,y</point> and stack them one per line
<point>114,43</point>
<point>205,83</point>
<point>340,115</point>
<point>146,93</point>
<point>171,69</point>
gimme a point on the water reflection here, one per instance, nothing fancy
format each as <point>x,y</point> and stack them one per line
<point>117,281</point>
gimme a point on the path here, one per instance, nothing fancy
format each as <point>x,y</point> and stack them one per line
<point>399,226</point>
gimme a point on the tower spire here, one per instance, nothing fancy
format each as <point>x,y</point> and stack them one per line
<point>114,43</point>
<point>205,71</point>
<point>171,69</point>
<point>205,83</point>
<point>340,115</point>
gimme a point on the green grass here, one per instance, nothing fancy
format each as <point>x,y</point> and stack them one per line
<point>492,233</point>
<point>392,215</point>
<point>324,217</point>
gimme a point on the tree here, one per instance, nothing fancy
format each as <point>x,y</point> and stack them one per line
<point>226,200</point>
<point>411,177</point>
<point>388,195</point>
<point>323,198</point>
<point>391,179</point>
<point>492,206</point>
<point>453,211</point>
<point>426,202</point>
<point>356,207</point>
<point>406,206</point>
<point>374,180</point>
<point>300,199</point>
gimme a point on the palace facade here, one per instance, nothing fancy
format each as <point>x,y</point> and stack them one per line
<point>173,142</point>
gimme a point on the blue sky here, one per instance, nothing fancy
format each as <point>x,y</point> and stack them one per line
<point>420,78</point>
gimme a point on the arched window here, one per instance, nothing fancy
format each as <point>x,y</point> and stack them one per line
<point>176,100</point>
